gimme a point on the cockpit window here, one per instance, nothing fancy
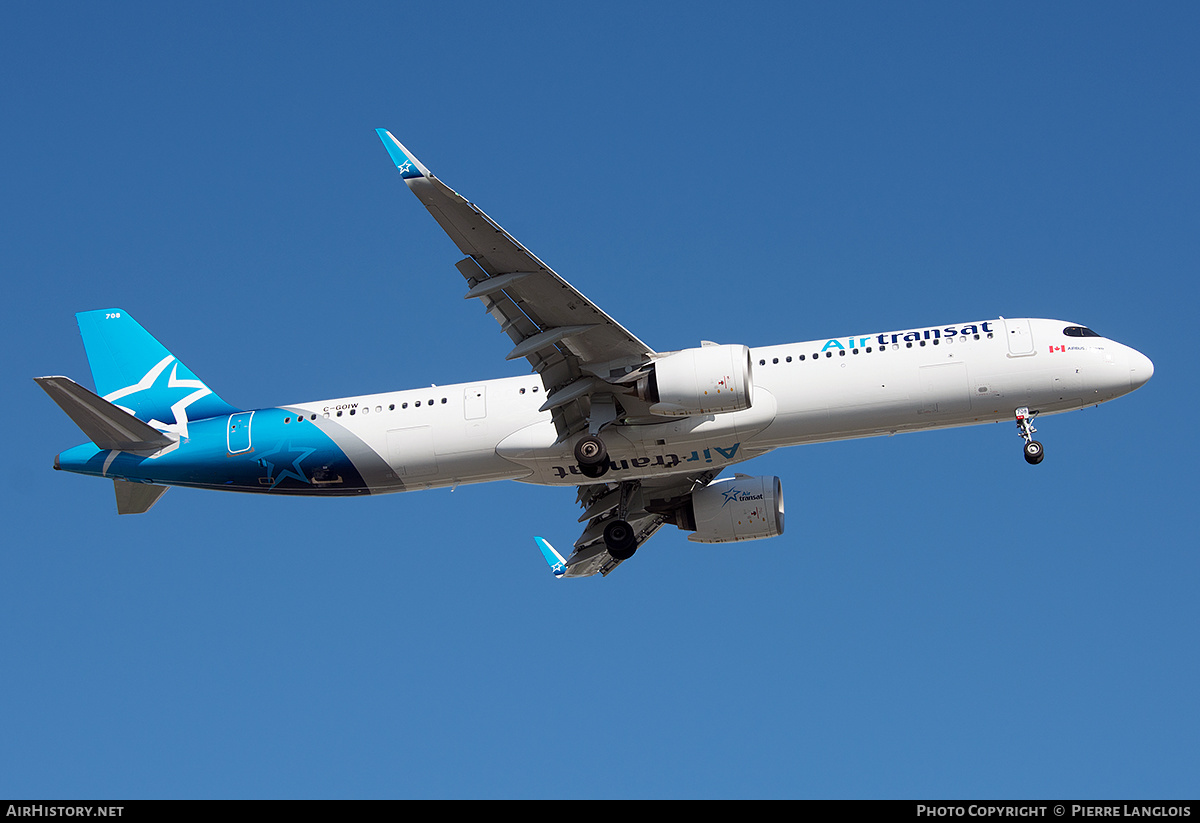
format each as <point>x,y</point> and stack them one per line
<point>1079,331</point>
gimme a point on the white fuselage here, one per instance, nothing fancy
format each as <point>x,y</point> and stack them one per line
<point>809,392</point>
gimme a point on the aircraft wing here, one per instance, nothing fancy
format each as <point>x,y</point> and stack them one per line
<point>648,505</point>
<point>566,338</point>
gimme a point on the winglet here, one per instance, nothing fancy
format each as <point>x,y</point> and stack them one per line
<point>406,164</point>
<point>553,559</point>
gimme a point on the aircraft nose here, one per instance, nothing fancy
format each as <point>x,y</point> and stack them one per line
<point>1141,369</point>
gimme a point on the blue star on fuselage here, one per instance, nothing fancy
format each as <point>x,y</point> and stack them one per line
<point>288,458</point>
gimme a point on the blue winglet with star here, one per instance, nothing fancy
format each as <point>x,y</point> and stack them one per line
<point>553,559</point>
<point>408,166</point>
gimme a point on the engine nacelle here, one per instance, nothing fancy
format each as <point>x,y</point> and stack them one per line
<point>707,380</point>
<point>743,508</point>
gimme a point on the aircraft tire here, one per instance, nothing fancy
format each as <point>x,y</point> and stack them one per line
<point>590,451</point>
<point>1034,453</point>
<point>620,540</point>
<point>594,471</point>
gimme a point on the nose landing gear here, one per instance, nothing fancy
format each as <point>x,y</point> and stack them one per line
<point>1034,453</point>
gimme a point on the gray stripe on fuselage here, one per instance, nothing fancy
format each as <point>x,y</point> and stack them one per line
<point>375,471</point>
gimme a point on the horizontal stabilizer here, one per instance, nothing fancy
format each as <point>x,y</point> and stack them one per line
<point>136,498</point>
<point>108,427</point>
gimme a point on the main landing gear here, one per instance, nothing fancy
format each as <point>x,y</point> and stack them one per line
<point>1034,453</point>
<point>590,452</point>
<point>620,540</point>
<point>619,536</point>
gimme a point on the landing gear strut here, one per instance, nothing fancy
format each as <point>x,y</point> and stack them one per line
<point>1034,453</point>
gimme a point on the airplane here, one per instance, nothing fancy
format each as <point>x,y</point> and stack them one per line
<point>643,435</point>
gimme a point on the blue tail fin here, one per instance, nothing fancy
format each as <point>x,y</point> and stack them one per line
<point>134,371</point>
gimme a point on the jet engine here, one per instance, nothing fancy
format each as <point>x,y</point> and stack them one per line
<point>707,380</point>
<point>725,511</point>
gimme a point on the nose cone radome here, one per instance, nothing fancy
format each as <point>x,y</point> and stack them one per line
<point>1140,370</point>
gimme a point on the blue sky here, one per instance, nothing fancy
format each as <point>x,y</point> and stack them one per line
<point>939,620</point>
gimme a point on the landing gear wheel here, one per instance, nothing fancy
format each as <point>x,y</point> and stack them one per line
<point>620,540</point>
<point>592,456</point>
<point>594,471</point>
<point>1034,453</point>
<point>590,451</point>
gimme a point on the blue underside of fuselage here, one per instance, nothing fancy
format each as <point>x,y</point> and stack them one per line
<point>267,455</point>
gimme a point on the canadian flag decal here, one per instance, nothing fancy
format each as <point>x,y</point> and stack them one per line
<point>1058,348</point>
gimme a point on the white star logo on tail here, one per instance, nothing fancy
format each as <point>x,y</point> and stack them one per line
<point>179,409</point>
